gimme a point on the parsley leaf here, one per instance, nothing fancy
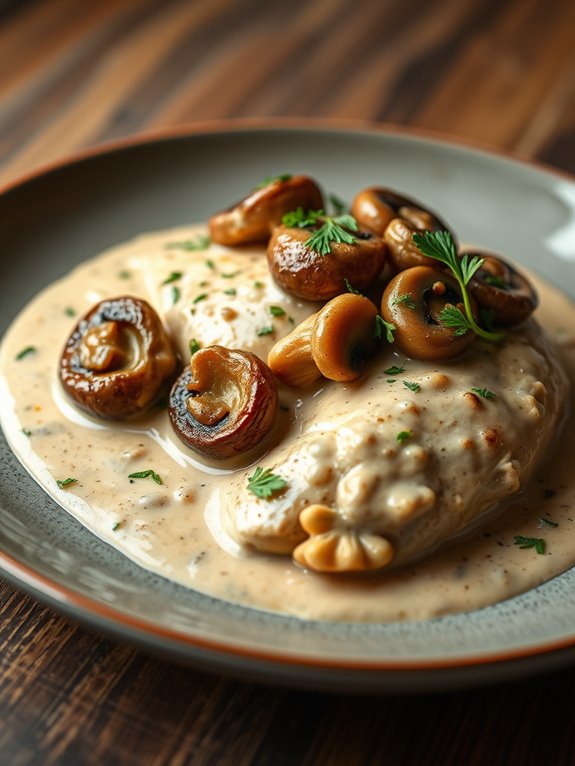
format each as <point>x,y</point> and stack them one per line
<point>530,542</point>
<point>405,300</point>
<point>145,474</point>
<point>350,288</point>
<point>274,179</point>
<point>415,387</point>
<point>451,316</point>
<point>300,219</point>
<point>176,294</point>
<point>268,330</point>
<point>26,352</point>
<point>62,483</point>
<point>404,435</point>
<point>440,246</point>
<point>544,523</point>
<point>276,311</point>
<point>263,483</point>
<point>190,244</point>
<point>174,276</point>
<point>381,327</point>
<point>485,393</point>
<point>194,346</point>
<point>394,370</point>
<point>332,231</point>
<point>231,291</point>
<point>200,297</point>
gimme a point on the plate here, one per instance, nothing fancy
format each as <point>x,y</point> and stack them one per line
<point>70,212</point>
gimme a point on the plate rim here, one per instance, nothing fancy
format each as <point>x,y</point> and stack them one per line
<point>103,616</point>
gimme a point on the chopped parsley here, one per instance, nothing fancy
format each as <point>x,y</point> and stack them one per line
<point>69,311</point>
<point>230,275</point>
<point>277,311</point>
<point>415,387</point>
<point>300,219</point>
<point>485,393</point>
<point>394,370</point>
<point>210,264</point>
<point>331,230</point>
<point>231,291</point>
<point>124,274</point>
<point>491,279</point>
<point>190,244</point>
<point>174,276</point>
<point>350,288</point>
<point>404,300</point>
<point>145,475</point>
<point>194,346</point>
<point>383,328</point>
<point>404,436</point>
<point>282,178</point>
<point>26,432</point>
<point>268,330</point>
<point>62,483</point>
<point>200,297</point>
<point>530,542</point>
<point>440,246</point>
<point>26,352</point>
<point>259,285</point>
<point>116,526</point>
<point>176,294</point>
<point>263,483</point>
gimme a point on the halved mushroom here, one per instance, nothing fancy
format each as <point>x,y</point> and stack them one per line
<point>413,301</point>
<point>254,217</point>
<point>310,275</point>
<point>343,337</point>
<point>498,287</point>
<point>396,218</point>
<point>118,359</point>
<point>224,403</point>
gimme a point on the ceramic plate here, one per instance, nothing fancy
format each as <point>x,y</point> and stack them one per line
<point>55,219</point>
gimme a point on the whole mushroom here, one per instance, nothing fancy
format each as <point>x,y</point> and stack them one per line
<point>118,359</point>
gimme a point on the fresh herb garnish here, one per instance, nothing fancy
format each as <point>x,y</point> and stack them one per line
<point>394,370</point>
<point>176,294</point>
<point>530,542</point>
<point>145,474</point>
<point>404,300</point>
<point>383,328</point>
<point>440,246</point>
<point>200,297</point>
<point>263,483</point>
<point>231,291</point>
<point>415,387</point>
<point>69,311</point>
<point>332,231</point>
<point>230,275</point>
<point>116,526</point>
<point>26,352</point>
<point>124,274</point>
<point>62,483</point>
<point>484,392</point>
<point>273,179</point>
<point>350,288</point>
<point>277,311</point>
<point>259,285</point>
<point>26,432</point>
<point>265,330</point>
<point>174,276</point>
<point>404,435</point>
<point>194,346</point>
<point>546,523</point>
<point>210,264</point>
<point>301,219</point>
<point>190,244</point>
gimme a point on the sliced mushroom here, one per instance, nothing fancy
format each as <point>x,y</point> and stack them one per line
<point>118,359</point>
<point>224,403</point>
<point>254,217</point>
<point>343,337</point>
<point>412,301</point>
<point>306,273</point>
<point>498,287</point>
<point>396,219</point>
<point>291,359</point>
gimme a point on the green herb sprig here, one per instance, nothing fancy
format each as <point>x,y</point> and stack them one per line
<point>530,542</point>
<point>440,246</point>
<point>263,483</point>
<point>63,483</point>
<point>383,328</point>
<point>333,229</point>
<point>145,475</point>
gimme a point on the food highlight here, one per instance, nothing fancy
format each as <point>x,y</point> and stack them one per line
<point>387,301</point>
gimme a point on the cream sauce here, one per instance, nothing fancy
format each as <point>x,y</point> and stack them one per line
<point>184,529</point>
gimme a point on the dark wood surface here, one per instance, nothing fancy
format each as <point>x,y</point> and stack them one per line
<point>75,74</point>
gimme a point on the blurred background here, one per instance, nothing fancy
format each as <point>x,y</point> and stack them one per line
<point>75,73</point>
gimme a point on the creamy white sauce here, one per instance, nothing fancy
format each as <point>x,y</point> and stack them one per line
<point>194,527</point>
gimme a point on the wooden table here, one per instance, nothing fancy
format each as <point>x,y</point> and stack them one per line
<point>75,74</point>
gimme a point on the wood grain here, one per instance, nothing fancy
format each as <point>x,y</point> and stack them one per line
<point>75,74</point>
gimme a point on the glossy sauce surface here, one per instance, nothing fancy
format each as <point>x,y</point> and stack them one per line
<point>189,528</point>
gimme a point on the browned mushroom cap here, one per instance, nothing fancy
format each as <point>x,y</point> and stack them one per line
<point>498,287</point>
<point>118,359</point>
<point>315,277</point>
<point>343,337</point>
<point>412,301</point>
<point>396,219</point>
<point>254,217</point>
<point>224,403</point>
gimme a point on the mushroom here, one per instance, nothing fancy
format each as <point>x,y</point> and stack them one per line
<point>344,337</point>
<point>254,217</point>
<point>498,287</point>
<point>310,275</point>
<point>224,403</point>
<point>396,218</point>
<point>335,342</point>
<point>412,301</point>
<point>118,359</point>
<point>333,546</point>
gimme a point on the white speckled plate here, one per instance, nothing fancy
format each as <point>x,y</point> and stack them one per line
<point>70,212</point>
